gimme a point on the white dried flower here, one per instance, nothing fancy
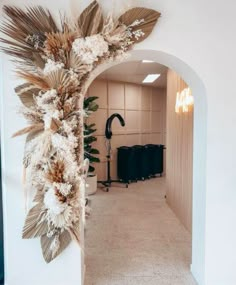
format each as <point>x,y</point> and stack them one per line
<point>63,188</point>
<point>90,48</point>
<point>52,204</point>
<point>138,34</point>
<point>52,66</point>
<point>137,23</point>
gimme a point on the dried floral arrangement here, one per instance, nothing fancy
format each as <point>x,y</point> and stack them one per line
<point>56,61</point>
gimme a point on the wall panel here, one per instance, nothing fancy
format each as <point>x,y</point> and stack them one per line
<point>144,111</point>
<point>179,154</point>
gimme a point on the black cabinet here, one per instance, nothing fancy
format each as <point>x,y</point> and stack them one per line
<point>139,162</point>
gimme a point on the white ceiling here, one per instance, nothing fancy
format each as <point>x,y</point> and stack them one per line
<point>135,72</point>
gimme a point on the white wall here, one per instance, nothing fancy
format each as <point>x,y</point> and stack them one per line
<point>201,34</point>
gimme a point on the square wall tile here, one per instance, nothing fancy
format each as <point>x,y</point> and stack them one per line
<point>145,121</point>
<point>146,98</point>
<point>158,97</point>
<point>114,169</point>
<point>156,138</point>
<point>132,96</point>
<point>157,122</point>
<point>116,95</point>
<point>99,89</point>
<point>117,141</point>
<point>99,118</point>
<point>132,119</point>
<point>133,139</point>
<point>100,170</point>
<point>146,139</point>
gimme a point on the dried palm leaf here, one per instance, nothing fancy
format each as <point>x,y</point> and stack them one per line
<point>39,197</point>
<point>56,172</point>
<point>33,128</point>
<point>26,93</point>
<point>60,41</point>
<point>33,134</point>
<point>76,64</point>
<point>35,224</point>
<point>26,30</point>
<point>149,16</point>
<point>46,243</point>
<point>75,232</point>
<point>90,21</point>
<point>62,81</point>
<point>37,81</point>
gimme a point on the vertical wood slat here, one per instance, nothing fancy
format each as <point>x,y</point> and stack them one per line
<point>179,154</point>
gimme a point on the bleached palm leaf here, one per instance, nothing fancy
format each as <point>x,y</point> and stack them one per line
<point>61,81</point>
<point>75,232</point>
<point>149,16</point>
<point>37,80</point>
<point>19,25</point>
<point>33,134</point>
<point>26,94</point>
<point>35,225</point>
<point>46,242</point>
<point>33,128</point>
<point>90,21</point>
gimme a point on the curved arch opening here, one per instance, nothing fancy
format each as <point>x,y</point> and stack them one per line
<point>199,146</point>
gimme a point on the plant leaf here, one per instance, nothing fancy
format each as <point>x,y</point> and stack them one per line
<point>26,92</point>
<point>35,226</point>
<point>32,128</point>
<point>91,20</point>
<point>46,242</point>
<point>21,24</point>
<point>149,16</point>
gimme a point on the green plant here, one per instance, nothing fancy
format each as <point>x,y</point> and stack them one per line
<point>90,106</point>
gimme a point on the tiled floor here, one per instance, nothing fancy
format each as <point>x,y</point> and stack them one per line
<point>133,238</point>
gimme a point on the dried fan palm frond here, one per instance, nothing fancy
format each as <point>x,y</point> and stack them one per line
<point>26,93</point>
<point>62,81</point>
<point>56,172</point>
<point>47,245</point>
<point>148,16</point>
<point>75,232</point>
<point>33,128</point>
<point>39,197</point>
<point>37,81</point>
<point>35,224</point>
<point>76,64</point>
<point>90,21</point>
<point>33,134</point>
<point>58,43</point>
<point>26,32</point>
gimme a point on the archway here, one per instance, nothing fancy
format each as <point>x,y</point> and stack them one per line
<point>199,155</point>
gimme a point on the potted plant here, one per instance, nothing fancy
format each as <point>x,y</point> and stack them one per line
<point>90,106</point>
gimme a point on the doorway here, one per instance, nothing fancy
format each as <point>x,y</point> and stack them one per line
<point>199,144</point>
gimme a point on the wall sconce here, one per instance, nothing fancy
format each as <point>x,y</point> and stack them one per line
<point>184,101</point>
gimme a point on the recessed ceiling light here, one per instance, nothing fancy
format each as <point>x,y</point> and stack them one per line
<point>147,61</point>
<point>151,78</point>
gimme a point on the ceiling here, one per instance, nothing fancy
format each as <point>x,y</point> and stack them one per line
<point>135,72</point>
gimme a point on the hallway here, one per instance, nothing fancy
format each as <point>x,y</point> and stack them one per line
<point>133,238</point>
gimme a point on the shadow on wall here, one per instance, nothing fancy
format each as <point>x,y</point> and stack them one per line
<point>1,230</point>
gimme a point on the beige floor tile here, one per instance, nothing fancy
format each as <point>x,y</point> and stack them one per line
<point>133,238</point>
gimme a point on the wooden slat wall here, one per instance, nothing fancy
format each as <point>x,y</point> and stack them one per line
<point>179,154</point>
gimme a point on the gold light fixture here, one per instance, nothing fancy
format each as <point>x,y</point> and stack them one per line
<point>184,101</point>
